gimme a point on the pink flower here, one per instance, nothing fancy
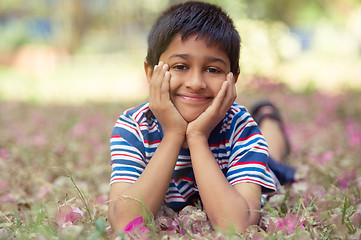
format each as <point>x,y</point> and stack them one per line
<point>135,223</point>
<point>102,199</point>
<point>3,186</point>
<point>7,198</point>
<point>356,220</point>
<point>136,230</point>
<point>325,158</point>
<point>4,154</point>
<point>43,191</point>
<point>78,130</point>
<point>354,134</point>
<point>287,224</point>
<point>347,179</point>
<point>68,215</point>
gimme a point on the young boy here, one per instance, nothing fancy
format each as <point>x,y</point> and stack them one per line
<point>190,140</point>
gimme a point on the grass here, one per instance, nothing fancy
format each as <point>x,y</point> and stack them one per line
<point>39,141</point>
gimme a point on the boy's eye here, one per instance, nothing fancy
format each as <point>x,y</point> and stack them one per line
<point>213,70</point>
<point>180,67</point>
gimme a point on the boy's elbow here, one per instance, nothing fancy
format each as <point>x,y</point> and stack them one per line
<point>114,219</point>
<point>237,224</point>
<point>117,218</point>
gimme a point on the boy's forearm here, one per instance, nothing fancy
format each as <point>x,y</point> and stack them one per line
<point>150,188</point>
<point>225,206</point>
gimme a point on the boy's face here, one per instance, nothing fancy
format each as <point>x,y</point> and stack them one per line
<point>197,73</point>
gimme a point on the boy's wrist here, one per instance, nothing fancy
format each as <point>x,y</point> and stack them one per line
<point>195,139</point>
<point>175,136</point>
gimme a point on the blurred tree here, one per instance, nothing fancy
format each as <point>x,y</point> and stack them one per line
<point>79,21</point>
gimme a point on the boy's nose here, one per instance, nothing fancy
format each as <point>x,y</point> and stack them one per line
<point>196,81</point>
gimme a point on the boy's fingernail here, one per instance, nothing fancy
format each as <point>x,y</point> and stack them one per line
<point>229,75</point>
<point>155,67</point>
<point>165,66</point>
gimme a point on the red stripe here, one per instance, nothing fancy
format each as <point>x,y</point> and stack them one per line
<point>187,179</point>
<point>217,144</point>
<point>173,197</point>
<point>223,163</point>
<point>184,178</point>
<point>145,125</point>
<point>136,117</point>
<point>183,165</point>
<point>264,149</point>
<point>126,112</point>
<point>220,144</point>
<point>125,155</point>
<point>115,136</point>
<point>128,126</point>
<point>127,179</point>
<point>244,127</point>
<point>150,143</point>
<point>248,137</point>
<point>251,162</point>
<point>185,197</point>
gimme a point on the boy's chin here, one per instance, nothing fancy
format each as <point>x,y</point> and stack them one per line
<point>190,117</point>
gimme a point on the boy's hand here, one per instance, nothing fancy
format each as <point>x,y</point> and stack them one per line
<point>208,120</point>
<point>160,103</point>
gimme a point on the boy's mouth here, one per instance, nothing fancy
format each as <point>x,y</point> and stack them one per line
<point>194,97</point>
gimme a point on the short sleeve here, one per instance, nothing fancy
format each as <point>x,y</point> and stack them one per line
<point>127,151</point>
<point>249,154</point>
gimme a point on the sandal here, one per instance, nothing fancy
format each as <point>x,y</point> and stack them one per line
<point>258,116</point>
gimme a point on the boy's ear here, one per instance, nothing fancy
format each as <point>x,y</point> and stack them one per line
<point>148,71</point>
<point>236,77</point>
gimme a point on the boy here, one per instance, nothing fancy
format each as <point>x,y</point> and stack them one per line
<point>190,140</point>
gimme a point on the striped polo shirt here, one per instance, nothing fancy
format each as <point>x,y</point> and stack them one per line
<point>236,143</point>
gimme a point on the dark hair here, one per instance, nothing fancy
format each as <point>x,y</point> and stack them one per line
<point>206,20</point>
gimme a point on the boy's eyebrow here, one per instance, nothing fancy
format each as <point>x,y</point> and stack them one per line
<point>211,59</point>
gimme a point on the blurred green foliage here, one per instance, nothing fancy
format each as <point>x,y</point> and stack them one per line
<point>50,50</point>
<point>109,25</point>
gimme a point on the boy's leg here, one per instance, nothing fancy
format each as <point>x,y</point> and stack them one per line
<point>271,126</point>
<point>274,136</point>
<point>270,123</point>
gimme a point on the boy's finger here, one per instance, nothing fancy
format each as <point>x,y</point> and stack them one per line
<point>231,91</point>
<point>217,103</point>
<point>229,94</point>
<point>156,73</point>
<point>156,81</point>
<point>164,89</point>
<point>163,78</point>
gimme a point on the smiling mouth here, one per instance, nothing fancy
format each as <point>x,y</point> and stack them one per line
<point>194,98</point>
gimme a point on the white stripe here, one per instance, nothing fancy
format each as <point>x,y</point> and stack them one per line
<point>246,149</point>
<point>140,162</point>
<point>129,129</point>
<point>239,126</point>
<point>249,179</point>
<point>142,109</point>
<point>262,177</point>
<point>125,147</point>
<point>128,174</point>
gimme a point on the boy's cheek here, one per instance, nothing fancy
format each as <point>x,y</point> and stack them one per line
<point>174,81</point>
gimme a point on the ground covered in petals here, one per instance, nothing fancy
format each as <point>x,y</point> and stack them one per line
<point>54,172</point>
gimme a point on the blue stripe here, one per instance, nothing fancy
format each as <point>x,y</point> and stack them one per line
<point>127,162</point>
